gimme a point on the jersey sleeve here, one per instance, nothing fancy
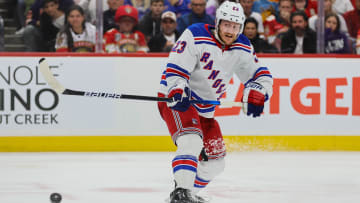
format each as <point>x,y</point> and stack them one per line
<point>182,60</point>
<point>61,42</point>
<point>109,42</point>
<point>252,71</point>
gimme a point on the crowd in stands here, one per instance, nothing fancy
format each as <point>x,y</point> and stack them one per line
<point>272,26</point>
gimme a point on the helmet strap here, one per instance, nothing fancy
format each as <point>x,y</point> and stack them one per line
<point>216,33</point>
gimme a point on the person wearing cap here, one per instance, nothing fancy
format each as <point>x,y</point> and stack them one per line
<point>150,23</point>
<point>165,40</point>
<point>126,38</point>
<point>197,15</point>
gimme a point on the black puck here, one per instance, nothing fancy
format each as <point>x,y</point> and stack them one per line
<point>55,198</point>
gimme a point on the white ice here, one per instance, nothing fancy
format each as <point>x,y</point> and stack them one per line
<point>249,177</point>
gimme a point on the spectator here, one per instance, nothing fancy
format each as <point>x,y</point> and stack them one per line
<point>279,23</point>
<point>20,16</point>
<point>260,45</point>
<point>197,15</point>
<point>126,38</point>
<point>353,20</point>
<point>299,39</point>
<point>164,41</point>
<point>342,6</point>
<point>32,34</point>
<point>89,7</point>
<point>1,34</point>
<point>109,14</point>
<point>77,34</point>
<point>309,7</point>
<point>51,21</point>
<point>150,22</point>
<point>247,6</point>
<point>179,7</point>
<point>142,6</point>
<point>328,9</point>
<point>265,8</point>
<point>335,40</point>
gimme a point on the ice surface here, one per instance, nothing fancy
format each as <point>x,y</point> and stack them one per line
<point>249,177</point>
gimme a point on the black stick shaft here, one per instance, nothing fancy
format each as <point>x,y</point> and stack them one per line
<point>147,98</point>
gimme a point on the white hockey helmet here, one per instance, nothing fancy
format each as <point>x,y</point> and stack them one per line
<point>230,11</point>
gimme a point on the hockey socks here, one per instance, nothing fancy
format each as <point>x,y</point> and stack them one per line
<point>200,183</point>
<point>184,169</point>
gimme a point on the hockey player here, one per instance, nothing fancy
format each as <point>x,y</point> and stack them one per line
<point>126,38</point>
<point>199,67</point>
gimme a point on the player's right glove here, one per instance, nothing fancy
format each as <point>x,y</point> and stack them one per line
<point>253,99</point>
<point>181,98</point>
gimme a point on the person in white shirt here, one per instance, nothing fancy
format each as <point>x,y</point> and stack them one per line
<point>77,34</point>
<point>342,6</point>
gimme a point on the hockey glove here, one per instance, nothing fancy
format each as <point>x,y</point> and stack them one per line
<point>253,99</point>
<point>181,98</point>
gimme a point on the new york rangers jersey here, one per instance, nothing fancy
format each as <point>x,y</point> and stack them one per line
<point>200,61</point>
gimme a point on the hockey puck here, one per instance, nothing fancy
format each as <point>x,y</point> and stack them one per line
<point>55,198</point>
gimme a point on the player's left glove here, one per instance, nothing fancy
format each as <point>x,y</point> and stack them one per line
<point>181,98</point>
<point>253,99</point>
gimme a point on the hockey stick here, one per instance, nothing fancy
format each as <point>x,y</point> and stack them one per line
<point>54,84</point>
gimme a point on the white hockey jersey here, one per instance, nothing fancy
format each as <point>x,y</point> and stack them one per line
<point>206,66</point>
<point>84,42</point>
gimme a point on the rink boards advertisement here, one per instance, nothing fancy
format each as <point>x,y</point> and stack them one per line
<point>315,105</point>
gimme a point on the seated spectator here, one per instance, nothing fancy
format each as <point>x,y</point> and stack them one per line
<point>126,38</point>
<point>142,6</point>
<point>165,40</point>
<point>197,15</point>
<point>89,7</point>
<point>150,22</point>
<point>309,7</point>
<point>51,21</point>
<point>335,40</point>
<point>260,45</point>
<point>1,34</point>
<point>179,7</point>
<point>328,9</point>
<point>278,23</point>
<point>353,20</point>
<point>32,35</point>
<point>265,8</point>
<point>299,39</point>
<point>342,6</point>
<point>109,14</point>
<point>247,6</point>
<point>77,34</point>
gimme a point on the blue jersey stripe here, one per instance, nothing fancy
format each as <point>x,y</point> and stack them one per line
<point>174,74</point>
<point>171,65</point>
<point>240,49</point>
<point>163,82</point>
<point>188,157</point>
<point>205,42</point>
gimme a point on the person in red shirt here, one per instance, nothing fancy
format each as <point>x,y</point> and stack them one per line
<point>352,19</point>
<point>125,38</point>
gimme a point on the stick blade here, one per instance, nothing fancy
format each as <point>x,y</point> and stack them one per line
<point>49,77</point>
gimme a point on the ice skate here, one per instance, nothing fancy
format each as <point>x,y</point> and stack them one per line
<point>181,195</point>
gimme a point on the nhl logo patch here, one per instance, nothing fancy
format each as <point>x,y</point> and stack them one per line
<point>128,10</point>
<point>194,121</point>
